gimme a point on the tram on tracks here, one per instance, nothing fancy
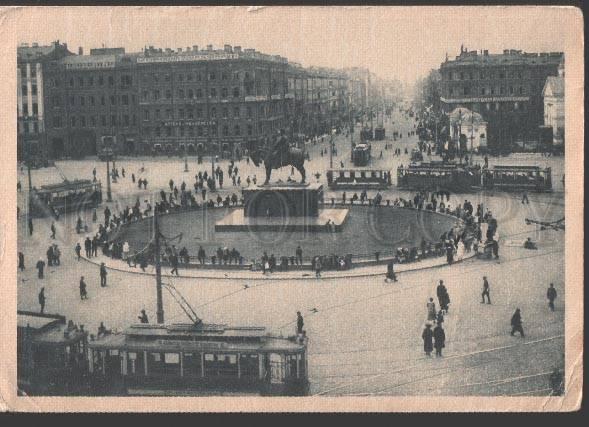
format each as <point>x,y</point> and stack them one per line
<point>438,175</point>
<point>518,178</point>
<point>51,355</point>
<point>68,196</point>
<point>185,359</point>
<point>362,179</point>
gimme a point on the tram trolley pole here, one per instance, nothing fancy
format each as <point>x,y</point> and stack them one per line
<point>158,271</point>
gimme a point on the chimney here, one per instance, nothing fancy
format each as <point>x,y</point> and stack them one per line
<point>237,49</point>
<point>195,48</point>
<point>187,48</point>
<point>65,46</point>
<point>209,47</point>
<point>505,51</point>
<point>35,44</point>
<point>486,52</point>
<point>179,50</point>
<point>80,51</point>
<point>227,48</point>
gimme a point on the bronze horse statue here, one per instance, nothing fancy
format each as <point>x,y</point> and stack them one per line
<point>279,156</point>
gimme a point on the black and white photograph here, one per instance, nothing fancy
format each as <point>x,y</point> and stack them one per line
<point>352,208</point>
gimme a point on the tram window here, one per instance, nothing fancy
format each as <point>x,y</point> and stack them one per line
<point>110,352</point>
<point>171,358</point>
<point>192,364</point>
<point>132,356</point>
<point>249,365</point>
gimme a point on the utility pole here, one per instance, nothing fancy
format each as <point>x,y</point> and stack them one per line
<point>108,193</point>
<point>185,159</point>
<point>158,271</point>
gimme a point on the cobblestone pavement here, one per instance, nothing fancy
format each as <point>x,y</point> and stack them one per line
<point>365,334</point>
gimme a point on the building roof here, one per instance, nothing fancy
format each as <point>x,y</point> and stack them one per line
<point>554,86</point>
<point>506,58</point>
<point>28,52</point>
<point>466,115</point>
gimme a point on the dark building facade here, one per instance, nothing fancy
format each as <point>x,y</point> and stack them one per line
<point>89,97</point>
<point>506,89</point>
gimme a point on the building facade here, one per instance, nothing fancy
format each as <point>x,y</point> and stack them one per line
<point>32,64</point>
<point>553,94</point>
<point>506,89</point>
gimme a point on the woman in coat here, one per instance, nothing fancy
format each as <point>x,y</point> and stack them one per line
<point>431,310</point>
<point>427,336</point>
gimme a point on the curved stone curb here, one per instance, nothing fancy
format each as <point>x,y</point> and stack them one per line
<point>279,275</point>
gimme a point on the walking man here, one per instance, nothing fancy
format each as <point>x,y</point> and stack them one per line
<point>427,337</point>
<point>30,226</point>
<point>40,267</point>
<point>42,300</point>
<point>88,247</point>
<point>52,230</point>
<point>299,254</point>
<point>78,250</point>
<point>551,295</point>
<point>440,292</point>
<point>21,261</point>
<point>83,293</point>
<point>317,267</point>
<point>174,263</point>
<point>103,274</point>
<point>300,323</point>
<point>485,291</point>
<point>439,339</point>
<point>525,198</point>
<point>516,323</point>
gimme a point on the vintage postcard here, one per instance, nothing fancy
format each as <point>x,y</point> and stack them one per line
<point>302,209</point>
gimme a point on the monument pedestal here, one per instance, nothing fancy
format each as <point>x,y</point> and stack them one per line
<point>283,207</point>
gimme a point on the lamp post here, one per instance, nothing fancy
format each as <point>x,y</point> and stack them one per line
<point>158,271</point>
<point>185,159</point>
<point>108,192</point>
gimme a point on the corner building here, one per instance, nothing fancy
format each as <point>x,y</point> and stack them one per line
<point>506,89</point>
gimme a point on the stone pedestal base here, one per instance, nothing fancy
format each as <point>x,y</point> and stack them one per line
<point>282,200</point>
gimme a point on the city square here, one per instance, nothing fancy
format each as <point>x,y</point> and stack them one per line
<point>291,231</point>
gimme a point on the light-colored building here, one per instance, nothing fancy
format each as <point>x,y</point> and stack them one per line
<point>553,94</point>
<point>471,125</point>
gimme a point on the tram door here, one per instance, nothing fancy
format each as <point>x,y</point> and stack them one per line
<point>277,368</point>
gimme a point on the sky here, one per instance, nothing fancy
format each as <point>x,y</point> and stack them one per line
<point>393,42</point>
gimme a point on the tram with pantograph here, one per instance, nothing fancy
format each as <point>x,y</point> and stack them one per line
<point>68,196</point>
<point>438,175</point>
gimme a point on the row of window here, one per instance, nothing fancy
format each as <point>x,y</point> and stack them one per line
<point>28,127</point>
<point>466,90</point>
<point>24,90</point>
<point>90,81</point>
<point>92,121</point>
<point>213,130</point>
<point>25,109</point>
<point>482,75</point>
<point>91,101</point>
<point>189,77</point>
<point>23,71</point>
<point>236,112</point>
<point>190,93</point>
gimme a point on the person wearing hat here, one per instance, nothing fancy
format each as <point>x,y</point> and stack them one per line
<point>485,291</point>
<point>40,267</point>
<point>103,274</point>
<point>143,317</point>
<point>42,299</point>
<point>427,337</point>
<point>516,323</point>
<point>431,310</point>
<point>83,293</point>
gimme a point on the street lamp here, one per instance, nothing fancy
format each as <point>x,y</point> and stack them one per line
<point>108,192</point>
<point>185,159</point>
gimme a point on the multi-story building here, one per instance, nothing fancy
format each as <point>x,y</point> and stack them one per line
<point>211,101</point>
<point>553,94</point>
<point>32,64</point>
<point>506,89</point>
<point>89,97</point>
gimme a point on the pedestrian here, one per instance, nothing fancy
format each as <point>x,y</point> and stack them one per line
<point>78,250</point>
<point>133,178</point>
<point>439,339</point>
<point>40,267</point>
<point>431,310</point>
<point>427,337</point>
<point>516,323</point>
<point>174,264</point>
<point>83,293</point>
<point>525,198</point>
<point>300,323</point>
<point>21,261</point>
<point>299,255</point>
<point>143,318</point>
<point>30,226</point>
<point>56,255</point>
<point>49,256</point>
<point>317,267</point>
<point>52,230</point>
<point>42,299</point>
<point>485,291</point>
<point>94,246</point>
<point>441,292</point>
<point>551,295</point>
<point>103,274</point>
<point>88,247</point>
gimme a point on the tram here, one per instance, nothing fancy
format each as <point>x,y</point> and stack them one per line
<point>358,178</point>
<point>65,197</point>
<point>197,359</point>
<point>438,175</point>
<point>361,154</point>
<point>51,355</point>
<point>518,178</point>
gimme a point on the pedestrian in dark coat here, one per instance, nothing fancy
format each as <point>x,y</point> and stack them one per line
<point>78,250</point>
<point>88,247</point>
<point>94,246</point>
<point>83,293</point>
<point>42,299</point>
<point>439,339</point>
<point>40,266</point>
<point>427,336</point>
<point>30,227</point>
<point>103,274</point>
<point>551,295</point>
<point>174,264</point>
<point>485,291</point>
<point>440,292</point>
<point>50,256</point>
<point>53,230</point>
<point>431,310</point>
<point>21,261</point>
<point>516,323</point>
